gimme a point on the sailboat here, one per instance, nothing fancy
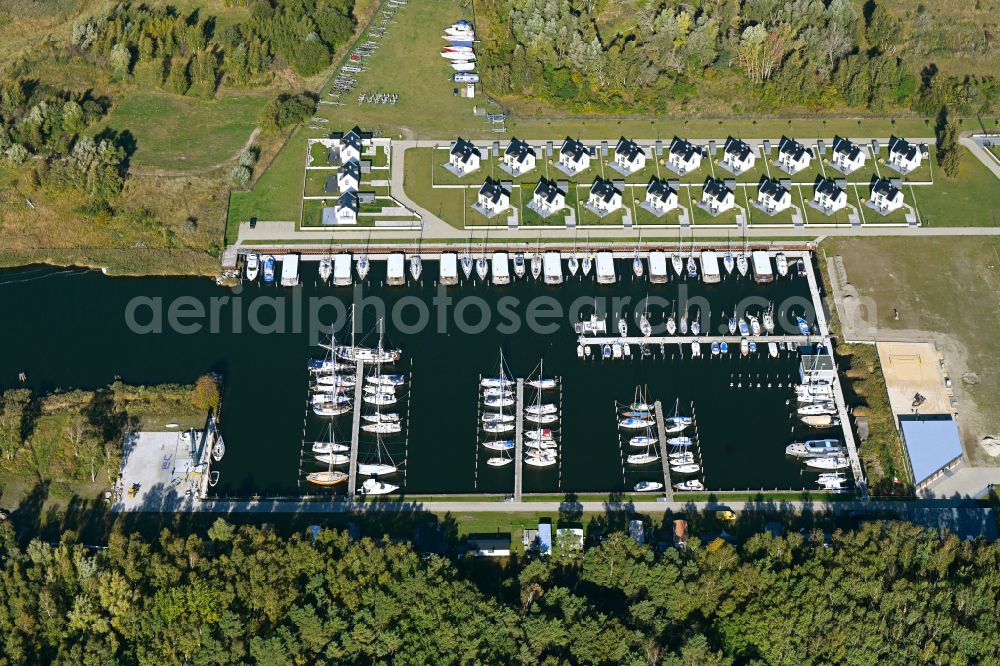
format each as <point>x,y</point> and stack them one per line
<point>671,323</point>
<point>325,268</point>
<point>482,267</point>
<point>684,323</point>
<point>536,261</point>
<point>696,324</point>
<point>499,445</point>
<point>333,458</point>
<point>541,383</point>
<point>547,408</point>
<point>754,325</point>
<point>540,459</point>
<point>769,318</point>
<point>383,427</point>
<point>253,266</point>
<point>381,418</point>
<point>519,264</point>
<point>642,440</point>
<point>637,263</point>
<point>541,451</point>
<point>742,264</point>
<point>586,263</point>
<point>648,440</point>
<point>781,262</point>
<point>573,264</point>
<point>416,267</point>
<point>644,326</point>
<point>498,401</point>
<point>354,353</point>
<point>330,477</point>
<point>385,380</point>
<point>379,427</point>
<point>676,260</point>
<point>727,261</point>
<point>539,435</point>
<point>362,266</point>
<point>498,422</point>
<point>466,261</point>
<point>329,445</point>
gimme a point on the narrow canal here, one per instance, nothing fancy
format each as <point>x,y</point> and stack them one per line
<point>67,328</point>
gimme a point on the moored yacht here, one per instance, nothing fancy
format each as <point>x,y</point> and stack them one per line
<point>253,266</point>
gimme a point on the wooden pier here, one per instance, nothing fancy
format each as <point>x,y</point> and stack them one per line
<point>519,442</point>
<point>600,341</point>
<point>661,434</point>
<point>359,391</point>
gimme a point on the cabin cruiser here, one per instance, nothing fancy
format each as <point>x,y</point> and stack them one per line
<point>642,458</point>
<point>781,263</point>
<point>499,445</point>
<point>253,266</point>
<point>519,264</point>
<point>636,423</point>
<point>685,468</point>
<point>831,481</point>
<point>642,440</point>
<point>828,462</point>
<point>547,408</point>
<point>362,267</point>
<point>821,420</point>
<point>536,265</point>
<point>325,268</point>
<point>383,428</point>
<point>817,408</point>
<point>815,448</point>
<point>268,268</point>
<point>374,487</point>
<point>376,469</point>
<point>648,486</point>
<point>690,484</point>
<point>416,267</point>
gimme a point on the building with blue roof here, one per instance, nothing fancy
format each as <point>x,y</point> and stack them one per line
<point>932,444</point>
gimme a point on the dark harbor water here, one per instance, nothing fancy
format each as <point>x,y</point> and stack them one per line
<point>66,328</point>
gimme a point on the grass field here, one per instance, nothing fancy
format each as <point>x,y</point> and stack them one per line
<point>183,133</point>
<point>942,289</point>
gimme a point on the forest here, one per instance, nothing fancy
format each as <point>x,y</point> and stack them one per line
<point>887,593</point>
<point>737,56</point>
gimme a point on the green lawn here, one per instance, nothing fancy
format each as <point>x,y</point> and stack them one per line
<point>449,204</point>
<point>529,217</point>
<point>703,217</point>
<point>277,195</point>
<point>970,200</point>
<point>636,195</point>
<point>183,133</point>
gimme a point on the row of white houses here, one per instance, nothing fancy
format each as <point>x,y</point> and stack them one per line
<point>683,157</point>
<point>717,197</point>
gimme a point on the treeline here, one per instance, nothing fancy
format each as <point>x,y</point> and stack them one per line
<point>44,128</point>
<point>596,54</point>
<point>885,594</point>
<point>73,437</point>
<point>188,54</point>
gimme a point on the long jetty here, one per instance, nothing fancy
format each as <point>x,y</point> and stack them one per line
<point>519,443</point>
<point>359,391</point>
<point>661,434</point>
<point>600,341</point>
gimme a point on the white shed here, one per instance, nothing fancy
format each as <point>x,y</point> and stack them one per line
<point>710,267</point>
<point>605,268</point>
<point>552,268</point>
<point>396,271</point>
<point>342,270</point>
<point>290,270</point>
<point>449,268</point>
<point>761,263</point>
<point>501,269</point>
<point>657,267</point>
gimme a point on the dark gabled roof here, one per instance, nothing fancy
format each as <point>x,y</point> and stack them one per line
<point>348,200</point>
<point>355,137</point>
<point>464,150</point>
<point>737,148</point>
<point>350,168</point>
<point>658,189</point>
<point>885,188</point>
<point>547,190</point>
<point>792,148</point>
<point>683,148</point>
<point>773,189</point>
<point>846,147</point>
<point>518,149</point>
<point>903,148</point>
<point>628,149</point>
<point>493,190</point>
<point>716,189</point>
<point>829,188</point>
<point>603,189</point>
<point>573,149</point>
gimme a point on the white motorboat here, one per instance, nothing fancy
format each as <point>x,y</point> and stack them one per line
<point>642,458</point>
<point>817,408</point>
<point>385,380</point>
<point>381,399</point>
<point>815,448</point>
<point>539,434</point>
<point>828,462</point>
<point>642,440</point>
<point>685,468</point>
<point>333,458</point>
<point>376,469</point>
<point>330,409</point>
<point>690,484</point>
<point>772,349</point>
<point>457,48</point>
<point>499,445</point>
<point>362,266</point>
<point>325,268</point>
<point>593,326</point>
<point>373,487</point>
<point>695,349</point>
<point>253,266</point>
<point>329,383</point>
<point>498,461</point>
<point>542,384</point>
<point>541,418</point>
<point>816,390</point>
<point>461,36</point>
<point>547,408</point>
<point>781,262</point>
<point>636,423</point>
<point>463,65</point>
<point>622,327</point>
<point>692,267</point>
<point>769,319</point>
<point>499,401</point>
<point>821,420</point>
<point>832,483</point>
<point>536,265</point>
<point>626,350</point>
<point>648,486</point>
<point>744,347</point>
<point>644,326</point>
<point>416,267</point>
<point>381,418</point>
<point>482,268</point>
<point>580,351</point>
<point>544,460</point>
<point>754,325</point>
<point>383,428</point>
<point>519,264</point>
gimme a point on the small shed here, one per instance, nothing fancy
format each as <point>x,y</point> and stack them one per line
<point>492,546</point>
<point>396,269</point>
<point>605,268</point>
<point>290,270</point>
<point>710,267</point>
<point>449,268</point>
<point>342,270</point>
<point>552,268</point>
<point>761,263</point>
<point>657,267</point>
<point>501,268</point>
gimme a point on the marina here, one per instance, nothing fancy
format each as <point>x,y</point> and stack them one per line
<point>747,404</point>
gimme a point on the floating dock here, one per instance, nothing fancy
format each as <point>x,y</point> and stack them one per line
<point>797,340</point>
<point>352,481</point>
<point>449,268</point>
<point>519,443</point>
<point>661,434</point>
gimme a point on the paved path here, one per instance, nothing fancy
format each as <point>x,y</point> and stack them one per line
<point>976,148</point>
